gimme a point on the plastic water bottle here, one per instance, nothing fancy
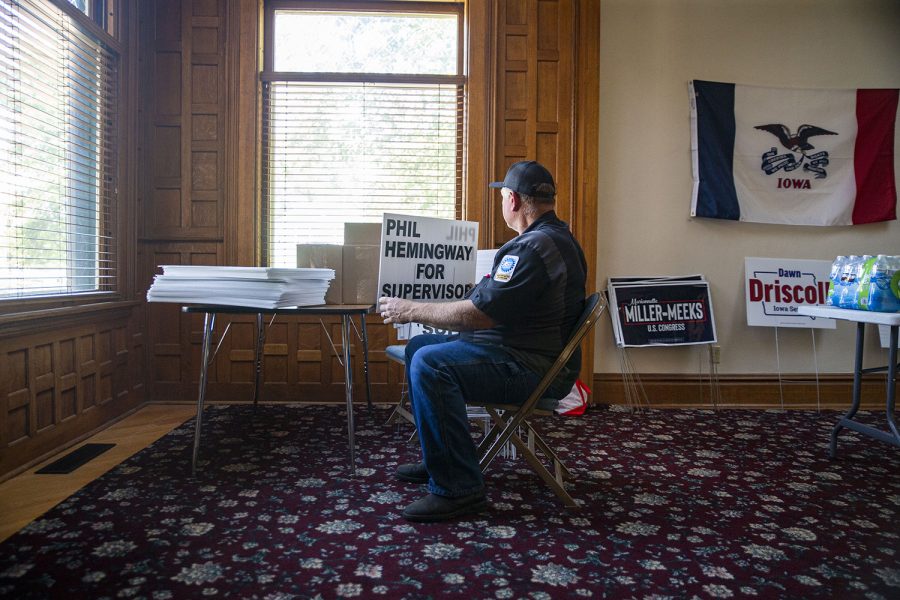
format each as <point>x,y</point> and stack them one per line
<point>848,279</point>
<point>835,277</point>
<point>851,294</point>
<point>863,279</point>
<point>884,286</point>
<point>864,282</point>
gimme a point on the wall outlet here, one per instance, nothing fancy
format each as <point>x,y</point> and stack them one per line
<point>715,353</point>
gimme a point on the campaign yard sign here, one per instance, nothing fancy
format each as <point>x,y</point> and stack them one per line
<point>662,313</point>
<point>424,258</point>
<point>775,287</point>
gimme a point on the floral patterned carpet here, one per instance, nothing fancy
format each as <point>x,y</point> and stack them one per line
<point>676,503</point>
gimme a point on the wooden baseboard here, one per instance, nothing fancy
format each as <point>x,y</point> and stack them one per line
<point>758,391</point>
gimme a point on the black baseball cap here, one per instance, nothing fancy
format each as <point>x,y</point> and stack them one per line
<point>526,177</point>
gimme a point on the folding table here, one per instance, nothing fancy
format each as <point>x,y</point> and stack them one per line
<point>345,311</point>
<point>861,317</point>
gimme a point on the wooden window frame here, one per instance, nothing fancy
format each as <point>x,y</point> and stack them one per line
<point>460,79</point>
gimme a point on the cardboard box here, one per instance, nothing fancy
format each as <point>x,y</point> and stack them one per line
<point>362,234</point>
<point>355,270</point>
<point>360,273</point>
<point>325,256</point>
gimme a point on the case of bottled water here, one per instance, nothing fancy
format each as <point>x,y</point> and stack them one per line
<point>865,283</point>
<point>883,289</point>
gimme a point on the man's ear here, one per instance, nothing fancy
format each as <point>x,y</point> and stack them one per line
<point>515,201</point>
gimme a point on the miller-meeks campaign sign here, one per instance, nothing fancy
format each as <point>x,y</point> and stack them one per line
<point>775,287</point>
<point>661,311</point>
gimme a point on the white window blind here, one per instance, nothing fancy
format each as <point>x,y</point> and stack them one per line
<point>363,114</point>
<point>351,152</point>
<point>58,115</point>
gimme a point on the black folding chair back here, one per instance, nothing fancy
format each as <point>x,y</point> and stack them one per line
<point>511,423</point>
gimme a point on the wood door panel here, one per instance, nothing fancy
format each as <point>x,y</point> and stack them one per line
<point>546,89</point>
<point>185,193</point>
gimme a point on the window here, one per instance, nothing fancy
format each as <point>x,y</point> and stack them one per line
<point>82,5</point>
<point>57,153</point>
<point>363,114</point>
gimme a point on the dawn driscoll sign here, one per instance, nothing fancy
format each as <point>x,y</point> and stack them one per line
<point>775,287</point>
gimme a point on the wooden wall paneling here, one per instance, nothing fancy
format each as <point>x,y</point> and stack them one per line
<point>749,391</point>
<point>62,381</point>
<point>240,345</point>
<point>555,97</point>
<point>125,22</point>
<point>280,346</point>
<point>161,149</point>
<point>171,363</point>
<point>511,137</point>
<point>89,374</point>
<point>242,121</point>
<point>67,378</point>
<point>137,358</point>
<point>547,88</point>
<point>120,353</point>
<point>185,100</point>
<point>309,353</point>
<point>383,374</point>
<point>586,131</point>
<point>299,362</point>
<point>186,140</point>
<point>43,387</point>
<point>185,178</point>
<point>535,99</point>
<point>480,118</point>
<point>105,354</point>
<point>16,417</point>
<point>206,112</point>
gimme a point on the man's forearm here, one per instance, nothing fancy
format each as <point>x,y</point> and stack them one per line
<point>461,315</point>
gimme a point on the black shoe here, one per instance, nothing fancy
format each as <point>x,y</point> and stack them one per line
<point>434,508</point>
<point>413,473</point>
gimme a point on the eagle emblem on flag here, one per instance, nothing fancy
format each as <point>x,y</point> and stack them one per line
<point>815,163</point>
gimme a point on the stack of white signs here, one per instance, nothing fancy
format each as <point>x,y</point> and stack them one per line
<point>661,311</point>
<point>254,287</point>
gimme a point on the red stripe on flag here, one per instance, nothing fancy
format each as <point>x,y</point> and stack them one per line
<point>876,192</point>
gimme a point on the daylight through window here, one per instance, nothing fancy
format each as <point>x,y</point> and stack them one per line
<point>363,115</point>
<point>57,154</point>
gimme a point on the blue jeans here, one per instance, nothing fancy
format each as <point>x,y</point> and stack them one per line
<point>444,373</point>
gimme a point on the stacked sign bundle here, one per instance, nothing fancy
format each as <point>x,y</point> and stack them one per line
<point>661,311</point>
<point>255,287</point>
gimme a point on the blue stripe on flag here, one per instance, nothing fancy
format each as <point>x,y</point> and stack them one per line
<point>716,196</point>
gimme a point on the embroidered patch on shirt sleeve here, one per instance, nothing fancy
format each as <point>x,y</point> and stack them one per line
<point>506,267</point>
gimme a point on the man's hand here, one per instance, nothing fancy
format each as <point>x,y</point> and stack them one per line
<point>395,310</point>
<point>460,315</point>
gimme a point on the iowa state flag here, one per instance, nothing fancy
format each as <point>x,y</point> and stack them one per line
<point>799,157</point>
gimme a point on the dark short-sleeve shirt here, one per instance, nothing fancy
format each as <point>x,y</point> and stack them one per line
<point>535,293</point>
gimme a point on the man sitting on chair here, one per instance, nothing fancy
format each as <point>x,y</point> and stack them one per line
<point>512,326</point>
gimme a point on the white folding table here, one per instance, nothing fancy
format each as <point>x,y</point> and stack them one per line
<point>861,318</point>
